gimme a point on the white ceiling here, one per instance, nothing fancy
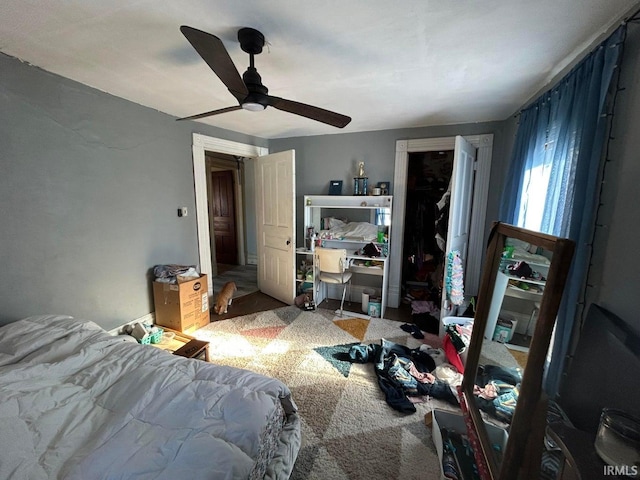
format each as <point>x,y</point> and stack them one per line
<point>387,64</point>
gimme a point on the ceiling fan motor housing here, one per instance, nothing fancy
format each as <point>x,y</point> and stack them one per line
<point>257,91</point>
<point>251,40</point>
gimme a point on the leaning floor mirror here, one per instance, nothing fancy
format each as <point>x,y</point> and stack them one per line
<point>531,268</point>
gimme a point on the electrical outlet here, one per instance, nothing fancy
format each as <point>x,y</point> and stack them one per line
<point>182,212</point>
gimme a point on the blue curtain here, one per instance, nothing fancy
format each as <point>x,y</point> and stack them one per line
<point>557,154</point>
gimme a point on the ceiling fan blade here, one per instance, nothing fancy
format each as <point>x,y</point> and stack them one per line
<point>212,51</point>
<point>309,111</point>
<point>212,112</point>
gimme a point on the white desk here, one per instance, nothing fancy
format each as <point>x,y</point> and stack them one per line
<point>383,272</point>
<point>375,210</point>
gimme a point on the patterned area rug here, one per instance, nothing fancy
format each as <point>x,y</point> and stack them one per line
<point>348,430</point>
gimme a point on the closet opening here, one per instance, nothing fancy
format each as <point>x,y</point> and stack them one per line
<point>425,234</point>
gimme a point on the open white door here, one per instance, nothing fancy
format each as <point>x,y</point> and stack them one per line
<point>275,217</point>
<point>462,182</point>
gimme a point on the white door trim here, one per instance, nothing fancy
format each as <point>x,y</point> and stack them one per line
<point>484,144</point>
<point>202,144</point>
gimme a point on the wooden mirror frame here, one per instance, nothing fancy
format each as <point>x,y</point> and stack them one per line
<point>529,419</point>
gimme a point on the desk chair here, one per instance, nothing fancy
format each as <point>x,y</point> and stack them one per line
<point>331,265</point>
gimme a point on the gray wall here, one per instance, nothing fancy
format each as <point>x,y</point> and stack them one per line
<point>89,192</point>
<point>320,159</point>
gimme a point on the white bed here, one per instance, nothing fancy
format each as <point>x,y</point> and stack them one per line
<point>78,403</point>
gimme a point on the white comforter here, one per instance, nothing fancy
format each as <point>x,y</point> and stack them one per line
<point>357,230</point>
<point>78,403</point>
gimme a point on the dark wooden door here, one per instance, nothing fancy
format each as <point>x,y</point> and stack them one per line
<point>224,217</point>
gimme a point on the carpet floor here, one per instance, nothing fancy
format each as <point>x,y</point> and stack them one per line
<point>348,430</point>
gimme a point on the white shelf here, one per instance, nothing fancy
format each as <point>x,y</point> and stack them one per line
<point>367,270</point>
<point>515,292</point>
<point>503,289</point>
<point>348,201</point>
<point>314,212</point>
<point>531,281</point>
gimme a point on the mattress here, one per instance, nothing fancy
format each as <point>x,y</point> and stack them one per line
<point>78,403</point>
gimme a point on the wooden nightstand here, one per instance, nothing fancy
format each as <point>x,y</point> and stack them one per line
<point>185,345</point>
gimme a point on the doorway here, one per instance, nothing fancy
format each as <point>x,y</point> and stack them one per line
<point>426,219</point>
<point>203,145</point>
<point>477,228</point>
<point>227,223</point>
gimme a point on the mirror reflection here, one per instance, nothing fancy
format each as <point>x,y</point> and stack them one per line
<point>522,283</point>
<point>513,313</point>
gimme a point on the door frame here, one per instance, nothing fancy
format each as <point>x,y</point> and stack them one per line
<point>484,146</point>
<point>200,145</point>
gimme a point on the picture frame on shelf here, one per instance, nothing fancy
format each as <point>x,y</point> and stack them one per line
<point>335,187</point>
<point>385,187</point>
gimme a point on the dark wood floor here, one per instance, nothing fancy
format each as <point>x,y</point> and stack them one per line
<point>251,303</point>
<point>259,302</point>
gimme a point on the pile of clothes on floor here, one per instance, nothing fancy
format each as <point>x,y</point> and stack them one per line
<point>425,314</point>
<point>409,375</point>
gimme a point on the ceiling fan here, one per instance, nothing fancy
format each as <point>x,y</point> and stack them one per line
<point>249,91</point>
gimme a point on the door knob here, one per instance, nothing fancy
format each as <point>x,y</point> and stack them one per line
<point>289,242</point>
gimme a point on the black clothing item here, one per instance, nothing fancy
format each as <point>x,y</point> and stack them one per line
<point>395,381</point>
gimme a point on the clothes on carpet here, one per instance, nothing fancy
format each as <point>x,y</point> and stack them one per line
<point>412,329</point>
<point>393,363</point>
<point>426,322</point>
<point>436,353</point>
<point>425,314</point>
<point>448,374</point>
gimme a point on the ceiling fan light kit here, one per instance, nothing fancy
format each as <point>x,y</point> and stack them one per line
<point>253,106</point>
<point>248,90</point>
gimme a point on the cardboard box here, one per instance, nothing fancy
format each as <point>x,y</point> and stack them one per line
<point>182,306</point>
<point>455,421</point>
